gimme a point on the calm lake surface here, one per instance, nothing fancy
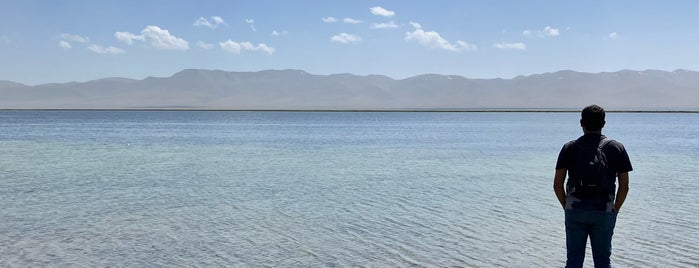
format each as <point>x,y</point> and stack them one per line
<point>335,189</point>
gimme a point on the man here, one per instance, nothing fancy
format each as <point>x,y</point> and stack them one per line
<point>589,200</point>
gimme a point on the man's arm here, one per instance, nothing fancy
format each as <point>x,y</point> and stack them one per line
<point>558,188</point>
<point>622,191</point>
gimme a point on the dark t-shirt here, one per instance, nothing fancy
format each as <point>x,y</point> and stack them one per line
<point>617,162</point>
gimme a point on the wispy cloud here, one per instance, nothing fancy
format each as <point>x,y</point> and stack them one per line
<point>213,24</point>
<point>74,38</point>
<point>511,46</point>
<point>5,40</point>
<point>416,25</point>
<point>346,38</point>
<point>204,45</point>
<point>351,21</point>
<point>218,20</point>
<point>380,11</point>
<point>329,19</point>
<point>64,44</point>
<point>67,39</point>
<point>548,31</point>
<point>158,38</point>
<point>278,33</point>
<point>236,48</point>
<point>614,36</point>
<point>384,25</point>
<point>105,50</point>
<point>434,40</point>
<point>251,22</point>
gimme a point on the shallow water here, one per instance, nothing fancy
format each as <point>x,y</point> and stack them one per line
<point>289,189</point>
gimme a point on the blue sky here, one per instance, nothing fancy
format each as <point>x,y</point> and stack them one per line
<point>75,40</point>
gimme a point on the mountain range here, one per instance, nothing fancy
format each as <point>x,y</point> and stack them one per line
<point>299,90</point>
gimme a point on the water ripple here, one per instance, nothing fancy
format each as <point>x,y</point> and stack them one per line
<point>350,190</point>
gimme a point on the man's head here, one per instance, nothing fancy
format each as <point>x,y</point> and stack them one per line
<point>592,118</point>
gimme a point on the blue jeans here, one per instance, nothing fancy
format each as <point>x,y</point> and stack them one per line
<point>599,226</point>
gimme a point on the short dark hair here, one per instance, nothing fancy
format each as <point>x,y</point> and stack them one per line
<point>592,117</point>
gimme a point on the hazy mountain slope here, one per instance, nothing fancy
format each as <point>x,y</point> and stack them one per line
<point>8,84</point>
<point>296,89</point>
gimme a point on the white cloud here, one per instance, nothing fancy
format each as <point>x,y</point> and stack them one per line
<point>235,47</point>
<point>614,36</point>
<point>64,44</point>
<point>66,40</point>
<point>512,46</point>
<point>204,45</point>
<point>204,22</point>
<point>433,39</point>
<point>466,46</point>
<point>385,25</point>
<point>329,19</point>
<point>5,40</point>
<point>380,11</point>
<point>345,38</point>
<point>159,38</point>
<point>230,46</point>
<point>251,22</point>
<point>105,50</point>
<point>277,33</point>
<point>351,21</point>
<point>548,31</point>
<point>260,47</point>
<point>218,20</point>
<point>127,37</point>
<point>74,38</point>
<point>162,39</point>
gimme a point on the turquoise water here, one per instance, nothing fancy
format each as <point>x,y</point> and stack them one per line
<point>314,189</point>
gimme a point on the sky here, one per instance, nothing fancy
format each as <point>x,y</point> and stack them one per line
<point>56,41</point>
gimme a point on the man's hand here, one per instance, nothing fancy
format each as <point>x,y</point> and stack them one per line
<point>558,188</point>
<point>622,191</point>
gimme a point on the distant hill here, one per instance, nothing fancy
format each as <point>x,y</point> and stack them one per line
<point>295,89</point>
<point>7,84</point>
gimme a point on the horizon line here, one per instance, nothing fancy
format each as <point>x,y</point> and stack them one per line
<point>429,110</point>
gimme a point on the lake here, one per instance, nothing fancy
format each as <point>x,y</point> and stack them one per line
<point>327,189</point>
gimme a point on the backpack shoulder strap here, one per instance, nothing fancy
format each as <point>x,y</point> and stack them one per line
<point>604,142</point>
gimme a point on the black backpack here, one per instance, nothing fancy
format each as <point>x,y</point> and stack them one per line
<point>591,171</point>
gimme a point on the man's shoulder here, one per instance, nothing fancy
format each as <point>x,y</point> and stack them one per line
<point>569,144</point>
<point>615,144</point>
